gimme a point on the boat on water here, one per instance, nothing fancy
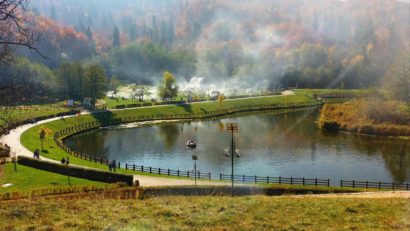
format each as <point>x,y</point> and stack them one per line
<point>191,144</point>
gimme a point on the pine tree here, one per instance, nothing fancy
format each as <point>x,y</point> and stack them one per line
<point>116,37</point>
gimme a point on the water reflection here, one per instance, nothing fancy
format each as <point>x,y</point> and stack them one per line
<point>287,144</point>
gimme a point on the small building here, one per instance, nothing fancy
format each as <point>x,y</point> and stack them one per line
<point>214,95</point>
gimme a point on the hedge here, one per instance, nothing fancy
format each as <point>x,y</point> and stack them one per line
<point>79,172</point>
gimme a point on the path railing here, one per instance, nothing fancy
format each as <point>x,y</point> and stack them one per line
<point>377,185</point>
<point>276,180</point>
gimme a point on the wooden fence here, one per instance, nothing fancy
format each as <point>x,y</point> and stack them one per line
<point>276,180</point>
<point>377,185</point>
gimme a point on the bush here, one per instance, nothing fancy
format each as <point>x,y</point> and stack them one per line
<point>79,172</point>
<point>133,105</point>
<point>121,106</point>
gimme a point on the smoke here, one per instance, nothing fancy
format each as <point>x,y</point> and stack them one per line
<point>236,53</point>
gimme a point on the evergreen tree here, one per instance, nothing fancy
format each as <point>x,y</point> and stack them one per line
<point>96,83</point>
<point>154,28</point>
<point>116,37</point>
<point>315,24</point>
<point>133,32</point>
<point>171,32</point>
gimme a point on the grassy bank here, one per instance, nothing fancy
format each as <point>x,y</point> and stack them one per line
<point>30,139</point>
<point>371,117</point>
<point>207,213</point>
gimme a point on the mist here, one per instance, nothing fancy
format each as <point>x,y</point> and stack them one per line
<point>226,45</point>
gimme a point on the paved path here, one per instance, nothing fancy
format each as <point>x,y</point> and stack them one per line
<point>13,141</point>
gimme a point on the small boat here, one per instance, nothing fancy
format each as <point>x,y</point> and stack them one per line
<point>191,144</point>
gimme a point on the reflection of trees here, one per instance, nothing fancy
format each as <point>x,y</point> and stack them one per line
<point>92,143</point>
<point>170,133</point>
<point>397,160</point>
<point>396,154</point>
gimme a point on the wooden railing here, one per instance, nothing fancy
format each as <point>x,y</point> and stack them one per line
<point>276,180</point>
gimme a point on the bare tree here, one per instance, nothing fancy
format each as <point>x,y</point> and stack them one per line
<point>15,29</point>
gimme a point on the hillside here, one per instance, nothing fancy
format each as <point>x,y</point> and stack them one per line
<point>276,43</point>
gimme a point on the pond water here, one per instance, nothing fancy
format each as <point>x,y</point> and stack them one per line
<point>273,144</point>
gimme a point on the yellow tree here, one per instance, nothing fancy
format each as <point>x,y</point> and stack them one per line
<point>43,133</point>
<point>221,98</point>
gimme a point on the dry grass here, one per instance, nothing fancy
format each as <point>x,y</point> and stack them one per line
<point>372,117</point>
<point>207,213</point>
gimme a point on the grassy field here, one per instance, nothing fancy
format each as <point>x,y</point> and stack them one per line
<point>207,213</point>
<point>20,113</point>
<point>30,138</point>
<point>27,179</point>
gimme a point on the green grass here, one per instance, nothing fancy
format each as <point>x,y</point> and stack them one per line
<point>358,92</point>
<point>207,213</point>
<point>21,113</point>
<point>27,179</point>
<point>30,139</point>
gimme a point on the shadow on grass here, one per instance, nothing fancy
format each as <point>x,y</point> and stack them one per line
<point>105,118</point>
<point>186,107</point>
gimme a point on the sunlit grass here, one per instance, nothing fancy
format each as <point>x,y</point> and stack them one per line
<point>372,117</point>
<point>208,213</point>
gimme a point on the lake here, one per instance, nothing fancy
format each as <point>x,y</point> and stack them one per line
<point>273,143</point>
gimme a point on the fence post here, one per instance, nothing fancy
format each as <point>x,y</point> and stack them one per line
<point>168,172</point>
<point>187,173</point>
<point>126,166</point>
<point>178,173</point>
<point>119,165</point>
<point>341,183</point>
<point>280,180</point>
<point>392,185</point>
<point>328,182</point>
<point>133,167</point>
<point>315,182</point>
<point>209,174</point>
<point>303,181</point>
<point>220,176</point>
<point>243,178</point>
<point>291,180</point>
<point>353,183</point>
<point>159,171</point>
<point>407,186</point>
<point>380,185</point>
<point>150,169</point>
<point>366,184</point>
<point>267,180</point>
<point>255,179</point>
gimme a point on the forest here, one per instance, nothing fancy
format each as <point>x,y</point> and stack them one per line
<point>263,44</point>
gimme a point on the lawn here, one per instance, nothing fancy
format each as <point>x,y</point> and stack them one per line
<point>21,113</point>
<point>207,213</point>
<point>27,179</point>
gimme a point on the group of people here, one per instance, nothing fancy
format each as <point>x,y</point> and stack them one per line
<point>112,165</point>
<point>36,154</point>
<point>65,160</point>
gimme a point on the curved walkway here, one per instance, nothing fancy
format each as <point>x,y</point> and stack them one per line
<point>13,141</point>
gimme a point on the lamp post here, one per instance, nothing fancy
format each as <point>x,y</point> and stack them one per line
<point>233,128</point>
<point>195,158</point>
